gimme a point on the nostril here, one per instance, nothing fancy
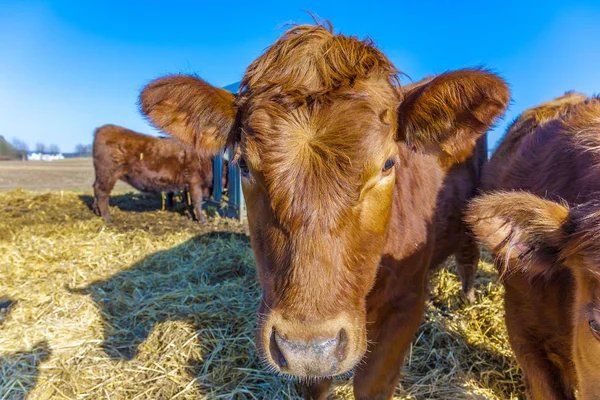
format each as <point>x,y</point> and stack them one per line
<point>342,343</point>
<point>276,353</point>
<point>342,337</point>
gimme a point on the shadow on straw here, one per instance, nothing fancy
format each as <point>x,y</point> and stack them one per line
<point>19,371</point>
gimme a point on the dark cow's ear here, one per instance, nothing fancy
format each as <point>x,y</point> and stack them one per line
<point>447,114</point>
<point>524,231</point>
<point>190,109</point>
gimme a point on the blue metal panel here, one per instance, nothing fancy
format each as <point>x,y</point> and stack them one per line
<point>233,183</point>
<point>236,198</point>
<point>235,206</point>
<point>218,177</point>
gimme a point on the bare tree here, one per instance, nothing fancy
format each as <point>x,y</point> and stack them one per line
<point>40,147</point>
<point>20,145</point>
<point>83,150</point>
<point>53,149</point>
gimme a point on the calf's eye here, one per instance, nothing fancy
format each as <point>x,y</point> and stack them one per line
<point>243,167</point>
<point>595,323</point>
<point>387,167</point>
<point>595,327</point>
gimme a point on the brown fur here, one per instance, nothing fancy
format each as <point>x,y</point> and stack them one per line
<point>196,118</point>
<point>548,246</point>
<point>149,164</point>
<point>453,237</point>
<point>343,248</point>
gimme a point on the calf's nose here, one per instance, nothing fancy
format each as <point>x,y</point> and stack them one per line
<point>315,357</point>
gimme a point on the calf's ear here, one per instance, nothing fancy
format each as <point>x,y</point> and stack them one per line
<point>524,231</point>
<point>191,110</point>
<point>447,114</point>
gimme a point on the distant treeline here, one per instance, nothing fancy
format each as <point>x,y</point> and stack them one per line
<point>10,152</point>
<point>18,149</point>
<point>83,150</point>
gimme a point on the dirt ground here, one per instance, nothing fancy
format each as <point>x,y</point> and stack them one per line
<point>73,174</point>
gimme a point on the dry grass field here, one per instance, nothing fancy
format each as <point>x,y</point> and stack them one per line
<point>74,174</point>
<point>155,306</point>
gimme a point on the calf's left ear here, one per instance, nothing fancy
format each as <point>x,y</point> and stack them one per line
<point>448,113</point>
<point>190,109</point>
<point>521,229</point>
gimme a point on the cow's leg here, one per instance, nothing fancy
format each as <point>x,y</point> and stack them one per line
<point>96,206</point>
<point>189,207</point>
<point>395,310</point>
<point>467,260</point>
<point>102,189</point>
<point>318,390</point>
<point>170,201</point>
<point>197,199</point>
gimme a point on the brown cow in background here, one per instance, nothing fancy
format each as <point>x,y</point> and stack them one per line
<point>149,164</point>
<point>341,171</point>
<point>547,241</point>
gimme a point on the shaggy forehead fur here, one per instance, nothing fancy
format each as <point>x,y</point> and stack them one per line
<point>577,121</point>
<point>584,237</point>
<point>317,112</point>
<point>569,124</point>
<point>310,61</point>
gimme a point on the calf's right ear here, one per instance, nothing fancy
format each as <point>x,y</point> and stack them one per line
<point>449,112</point>
<point>191,110</point>
<point>521,229</point>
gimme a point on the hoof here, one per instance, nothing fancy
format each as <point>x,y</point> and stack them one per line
<point>469,295</point>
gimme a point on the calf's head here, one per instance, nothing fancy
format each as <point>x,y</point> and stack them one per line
<point>317,124</point>
<point>536,237</point>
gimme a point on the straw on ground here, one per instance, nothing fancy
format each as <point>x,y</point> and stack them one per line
<point>155,306</point>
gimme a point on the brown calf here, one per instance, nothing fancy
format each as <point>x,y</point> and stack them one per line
<point>149,164</point>
<point>548,247</point>
<point>342,172</point>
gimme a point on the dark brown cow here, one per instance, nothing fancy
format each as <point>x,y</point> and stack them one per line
<point>548,247</point>
<point>341,171</point>
<point>149,164</point>
<point>452,235</point>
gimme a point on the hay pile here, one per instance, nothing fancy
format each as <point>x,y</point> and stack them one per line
<point>156,307</point>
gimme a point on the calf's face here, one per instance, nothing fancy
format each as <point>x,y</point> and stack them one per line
<point>536,237</point>
<point>318,181</point>
<point>317,144</point>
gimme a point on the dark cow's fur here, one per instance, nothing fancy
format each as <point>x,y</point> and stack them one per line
<point>149,164</point>
<point>452,234</point>
<point>345,176</point>
<point>547,240</point>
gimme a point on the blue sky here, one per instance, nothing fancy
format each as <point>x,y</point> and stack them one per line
<point>67,67</point>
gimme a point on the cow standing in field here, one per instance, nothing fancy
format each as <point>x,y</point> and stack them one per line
<point>341,171</point>
<point>149,164</point>
<point>543,223</point>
